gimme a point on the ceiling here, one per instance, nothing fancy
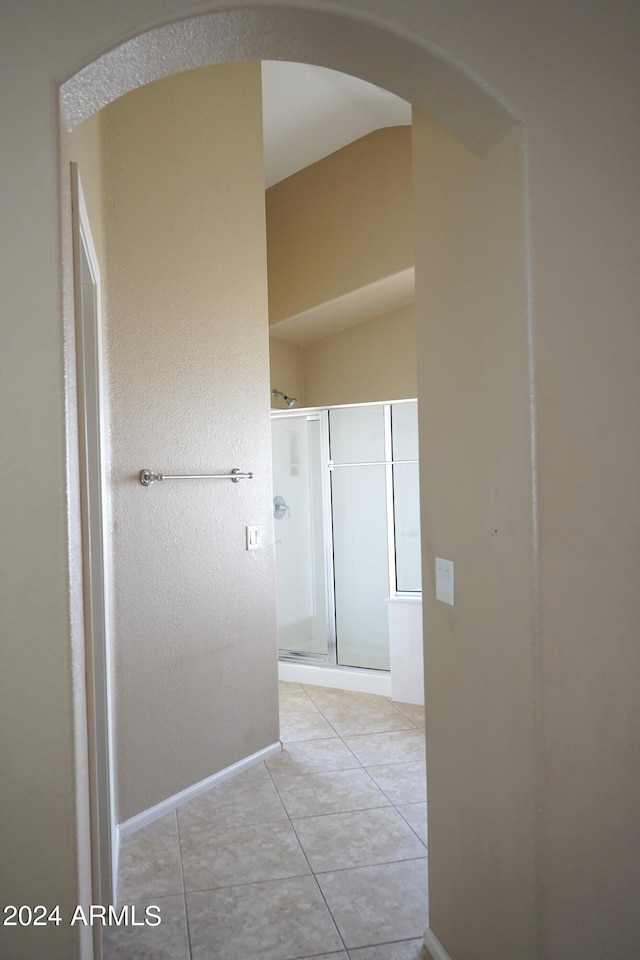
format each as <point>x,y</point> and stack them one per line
<point>309,112</point>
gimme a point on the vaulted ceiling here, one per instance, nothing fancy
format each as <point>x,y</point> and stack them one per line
<point>309,112</point>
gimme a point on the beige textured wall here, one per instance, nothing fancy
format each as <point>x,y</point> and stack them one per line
<point>285,367</point>
<point>476,511</point>
<point>375,360</point>
<point>195,658</point>
<point>571,72</point>
<point>341,223</point>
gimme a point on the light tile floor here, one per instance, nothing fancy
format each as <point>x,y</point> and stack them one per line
<point>319,853</point>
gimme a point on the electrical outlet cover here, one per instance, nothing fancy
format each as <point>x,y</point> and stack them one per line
<point>444,580</point>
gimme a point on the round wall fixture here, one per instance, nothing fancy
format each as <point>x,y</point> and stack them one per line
<point>280,509</point>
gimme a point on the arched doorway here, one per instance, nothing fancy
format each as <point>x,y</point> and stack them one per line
<point>475,117</point>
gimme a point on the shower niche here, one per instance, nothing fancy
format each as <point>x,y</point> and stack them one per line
<point>347,528</point>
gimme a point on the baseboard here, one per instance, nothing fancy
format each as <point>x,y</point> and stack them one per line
<point>140,820</point>
<point>339,678</point>
<point>115,862</point>
<point>434,948</point>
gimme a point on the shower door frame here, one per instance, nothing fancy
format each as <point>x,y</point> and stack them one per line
<point>321,413</point>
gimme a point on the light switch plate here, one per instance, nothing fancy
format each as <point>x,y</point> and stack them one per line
<point>254,538</point>
<point>444,580</point>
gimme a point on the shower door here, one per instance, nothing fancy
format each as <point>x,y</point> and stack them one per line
<point>304,574</point>
<point>360,489</point>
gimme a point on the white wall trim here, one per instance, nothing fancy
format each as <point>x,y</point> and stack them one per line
<point>94,497</point>
<point>338,678</point>
<point>115,864</point>
<point>143,819</point>
<point>433,945</point>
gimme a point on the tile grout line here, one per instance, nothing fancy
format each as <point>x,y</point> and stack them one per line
<point>304,853</point>
<point>365,866</point>
<point>257,883</point>
<point>184,886</point>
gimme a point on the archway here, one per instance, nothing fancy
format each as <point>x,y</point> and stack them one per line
<point>416,73</point>
<point>424,76</point>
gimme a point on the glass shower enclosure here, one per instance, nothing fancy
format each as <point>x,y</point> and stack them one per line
<point>347,528</point>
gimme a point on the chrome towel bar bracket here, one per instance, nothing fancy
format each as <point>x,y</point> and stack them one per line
<point>236,475</point>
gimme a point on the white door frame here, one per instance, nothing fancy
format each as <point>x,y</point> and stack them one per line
<point>94,506</point>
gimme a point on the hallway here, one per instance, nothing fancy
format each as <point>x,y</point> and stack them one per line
<point>318,853</point>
